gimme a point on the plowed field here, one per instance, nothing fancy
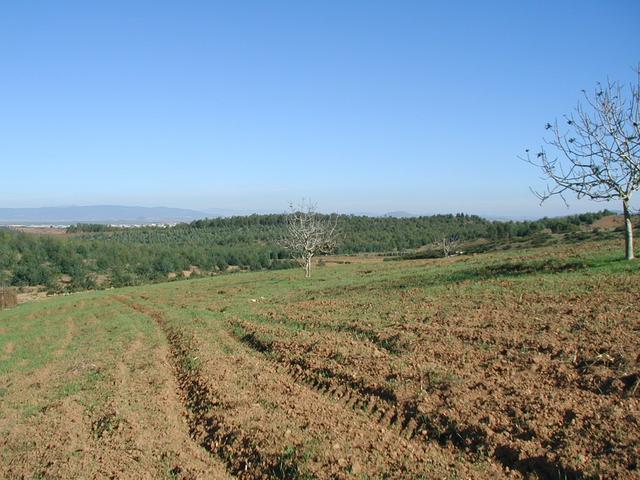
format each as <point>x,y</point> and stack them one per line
<point>519,364</point>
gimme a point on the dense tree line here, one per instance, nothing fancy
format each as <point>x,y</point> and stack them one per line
<point>100,256</point>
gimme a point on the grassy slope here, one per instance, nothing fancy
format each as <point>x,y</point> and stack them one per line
<point>92,370</point>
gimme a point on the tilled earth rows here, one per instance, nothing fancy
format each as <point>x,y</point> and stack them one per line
<point>293,391</point>
<point>554,397</point>
<point>465,368</point>
<point>265,420</point>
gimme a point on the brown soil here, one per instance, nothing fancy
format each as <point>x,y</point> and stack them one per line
<point>611,222</point>
<point>137,432</point>
<point>555,396</point>
<point>262,420</point>
<point>58,232</point>
<point>30,294</point>
<point>480,377</point>
<point>348,259</point>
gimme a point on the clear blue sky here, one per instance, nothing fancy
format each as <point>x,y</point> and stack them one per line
<point>359,105</point>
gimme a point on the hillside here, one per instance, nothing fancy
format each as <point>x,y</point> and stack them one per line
<point>98,256</point>
<point>512,364</point>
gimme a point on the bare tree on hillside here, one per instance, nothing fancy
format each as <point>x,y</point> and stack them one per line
<point>598,150</point>
<point>309,234</point>
<point>7,295</point>
<point>447,244</point>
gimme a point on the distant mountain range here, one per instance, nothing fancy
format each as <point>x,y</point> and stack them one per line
<point>128,215</point>
<point>118,214</point>
<point>114,214</point>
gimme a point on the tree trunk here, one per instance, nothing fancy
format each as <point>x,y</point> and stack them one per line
<point>307,266</point>
<point>628,232</point>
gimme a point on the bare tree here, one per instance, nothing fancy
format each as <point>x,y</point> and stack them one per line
<point>7,296</point>
<point>598,151</point>
<point>309,234</point>
<point>447,243</point>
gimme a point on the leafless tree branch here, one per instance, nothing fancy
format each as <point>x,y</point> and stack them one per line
<point>596,150</point>
<point>447,244</point>
<point>309,233</point>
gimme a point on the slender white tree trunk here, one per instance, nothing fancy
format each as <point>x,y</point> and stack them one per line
<point>628,232</point>
<point>307,266</point>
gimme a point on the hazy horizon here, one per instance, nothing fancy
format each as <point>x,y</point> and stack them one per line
<point>159,213</point>
<point>359,106</point>
<point>552,208</point>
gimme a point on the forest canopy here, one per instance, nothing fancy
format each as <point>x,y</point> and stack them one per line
<point>92,256</point>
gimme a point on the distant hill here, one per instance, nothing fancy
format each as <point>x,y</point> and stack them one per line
<point>99,214</point>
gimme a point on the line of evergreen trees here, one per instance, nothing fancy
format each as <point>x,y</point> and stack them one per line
<point>101,256</point>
